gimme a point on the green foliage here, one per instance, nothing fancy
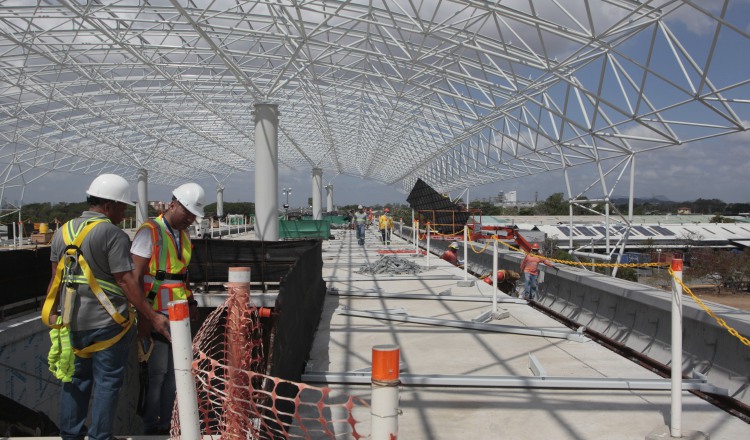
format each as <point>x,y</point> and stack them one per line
<point>556,204</point>
<point>627,273</point>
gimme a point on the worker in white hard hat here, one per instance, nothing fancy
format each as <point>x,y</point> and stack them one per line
<point>91,266</point>
<point>360,220</point>
<point>530,269</point>
<point>161,252</point>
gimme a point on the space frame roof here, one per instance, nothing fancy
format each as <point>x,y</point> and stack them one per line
<point>457,93</point>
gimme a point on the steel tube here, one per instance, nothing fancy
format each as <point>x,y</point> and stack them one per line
<point>182,351</point>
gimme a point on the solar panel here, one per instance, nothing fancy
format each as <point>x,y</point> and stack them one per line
<point>660,230</point>
<point>565,230</point>
<point>643,231</point>
<point>600,229</point>
<point>585,231</point>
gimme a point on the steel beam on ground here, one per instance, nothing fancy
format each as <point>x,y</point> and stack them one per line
<point>511,329</point>
<point>427,296</point>
<point>463,381</point>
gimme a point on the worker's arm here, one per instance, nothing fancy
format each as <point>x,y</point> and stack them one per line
<point>131,283</point>
<point>545,261</point>
<point>524,262</point>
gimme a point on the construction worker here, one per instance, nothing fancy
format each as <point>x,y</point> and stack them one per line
<point>385,223</point>
<point>506,280</point>
<point>161,252</point>
<point>530,269</point>
<point>91,264</point>
<point>360,220</point>
<point>451,255</point>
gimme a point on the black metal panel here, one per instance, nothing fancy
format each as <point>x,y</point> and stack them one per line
<point>446,216</point>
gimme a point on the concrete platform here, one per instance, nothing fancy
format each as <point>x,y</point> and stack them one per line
<point>343,344</point>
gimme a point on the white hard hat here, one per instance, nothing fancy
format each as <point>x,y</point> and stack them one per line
<point>453,245</point>
<point>192,197</point>
<point>359,207</point>
<point>111,187</point>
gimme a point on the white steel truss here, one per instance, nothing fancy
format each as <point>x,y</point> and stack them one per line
<point>457,93</point>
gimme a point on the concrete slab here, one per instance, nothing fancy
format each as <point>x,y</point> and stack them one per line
<point>344,343</point>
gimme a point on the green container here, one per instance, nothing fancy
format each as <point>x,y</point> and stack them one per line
<point>291,229</point>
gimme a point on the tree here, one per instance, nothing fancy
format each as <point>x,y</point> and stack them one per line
<point>555,204</point>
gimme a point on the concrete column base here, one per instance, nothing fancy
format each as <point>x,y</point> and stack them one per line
<point>662,433</point>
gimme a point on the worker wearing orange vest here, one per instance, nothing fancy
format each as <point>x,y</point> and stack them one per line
<point>161,252</point>
<point>506,280</point>
<point>530,268</point>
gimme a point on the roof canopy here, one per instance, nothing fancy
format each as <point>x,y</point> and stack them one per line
<point>457,93</point>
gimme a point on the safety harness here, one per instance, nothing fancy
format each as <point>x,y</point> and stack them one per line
<point>61,357</point>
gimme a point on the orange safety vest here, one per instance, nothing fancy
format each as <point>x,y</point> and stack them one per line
<point>167,269</point>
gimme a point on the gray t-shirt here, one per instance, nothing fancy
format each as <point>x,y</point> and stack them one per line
<point>106,249</point>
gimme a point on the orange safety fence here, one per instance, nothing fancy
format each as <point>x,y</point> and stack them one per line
<point>240,402</point>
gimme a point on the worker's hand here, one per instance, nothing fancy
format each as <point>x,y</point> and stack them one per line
<point>160,324</point>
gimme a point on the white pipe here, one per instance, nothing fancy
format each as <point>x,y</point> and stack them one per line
<point>494,275</point>
<point>266,172</point>
<point>182,351</point>
<point>141,209</point>
<point>466,253</point>
<point>317,190</point>
<point>428,245</point>
<point>676,408</point>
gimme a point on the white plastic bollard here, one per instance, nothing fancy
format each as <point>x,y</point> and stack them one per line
<point>494,274</point>
<point>182,351</point>
<point>385,379</point>
<point>428,245</point>
<point>675,426</point>
<point>466,253</point>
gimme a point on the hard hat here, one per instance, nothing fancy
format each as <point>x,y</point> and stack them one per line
<point>111,187</point>
<point>387,210</point>
<point>359,207</point>
<point>192,197</point>
<point>453,245</point>
<point>535,247</point>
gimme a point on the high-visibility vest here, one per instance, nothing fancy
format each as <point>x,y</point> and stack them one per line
<point>67,274</point>
<point>385,222</point>
<point>167,269</point>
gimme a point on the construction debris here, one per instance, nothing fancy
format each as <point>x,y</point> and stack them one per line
<point>393,265</point>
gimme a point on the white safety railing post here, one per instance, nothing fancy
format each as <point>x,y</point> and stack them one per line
<point>676,409</point>
<point>466,253</point>
<point>182,351</point>
<point>428,245</point>
<point>494,274</point>
<point>416,237</point>
<point>385,378</point>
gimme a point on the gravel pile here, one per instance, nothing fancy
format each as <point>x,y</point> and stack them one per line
<point>393,265</point>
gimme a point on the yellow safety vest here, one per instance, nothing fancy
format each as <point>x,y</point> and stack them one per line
<point>167,269</point>
<point>61,357</point>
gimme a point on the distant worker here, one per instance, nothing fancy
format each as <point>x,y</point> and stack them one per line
<point>91,266</point>
<point>530,269</point>
<point>451,255</point>
<point>360,221</point>
<point>385,223</point>
<point>161,252</point>
<point>506,280</point>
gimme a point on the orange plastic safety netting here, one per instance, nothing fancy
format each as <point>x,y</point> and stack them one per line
<point>236,400</point>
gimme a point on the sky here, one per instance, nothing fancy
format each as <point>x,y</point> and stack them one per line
<point>711,169</point>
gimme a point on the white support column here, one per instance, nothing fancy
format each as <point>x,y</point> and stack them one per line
<point>182,351</point>
<point>329,197</point>
<point>317,194</point>
<point>141,209</point>
<point>219,201</point>
<point>266,172</point>
<point>675,425</point>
